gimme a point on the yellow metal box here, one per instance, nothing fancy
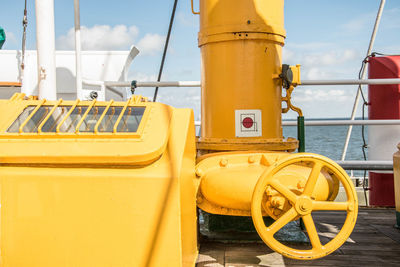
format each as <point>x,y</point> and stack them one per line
<point>97,184</point>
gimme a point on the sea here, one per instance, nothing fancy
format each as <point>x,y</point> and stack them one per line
<point>329,141</point>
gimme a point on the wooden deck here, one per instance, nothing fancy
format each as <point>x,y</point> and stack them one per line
<point>374,242</point>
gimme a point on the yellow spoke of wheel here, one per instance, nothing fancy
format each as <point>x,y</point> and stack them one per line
<point>329,205</point>
<point>292,197</point>
<point>312,179</point>
<point>282,221</point>
<point>312,232</point>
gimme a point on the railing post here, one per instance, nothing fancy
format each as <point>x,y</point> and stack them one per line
<point>301,134</point>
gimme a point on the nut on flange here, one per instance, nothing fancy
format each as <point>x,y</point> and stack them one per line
<point>251,159</point>
<point>199,173</point>
<point>223,162</point>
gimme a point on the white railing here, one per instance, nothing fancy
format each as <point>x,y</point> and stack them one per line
<point>349,164</point>
<point>198,83</point>
<point>342,122</point>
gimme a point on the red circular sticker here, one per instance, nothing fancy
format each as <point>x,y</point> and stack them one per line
<point>248,122</point>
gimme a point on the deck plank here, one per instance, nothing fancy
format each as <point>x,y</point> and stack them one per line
<point>374,242</point>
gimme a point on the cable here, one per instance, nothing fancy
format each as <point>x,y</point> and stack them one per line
<point>365,104</point>
<point>365,145</point>
<point>171,22</point>
<point>25,25</point>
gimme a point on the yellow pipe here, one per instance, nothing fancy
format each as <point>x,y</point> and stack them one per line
<point>241,47</point>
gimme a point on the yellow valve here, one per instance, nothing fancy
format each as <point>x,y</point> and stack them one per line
<point>302,204</point>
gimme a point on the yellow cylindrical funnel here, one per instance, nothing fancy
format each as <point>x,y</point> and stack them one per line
<point>241,43</point>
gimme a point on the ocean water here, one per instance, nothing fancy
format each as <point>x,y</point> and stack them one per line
<point>329,140</point>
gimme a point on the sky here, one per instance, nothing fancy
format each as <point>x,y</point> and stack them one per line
<point>328,38</point>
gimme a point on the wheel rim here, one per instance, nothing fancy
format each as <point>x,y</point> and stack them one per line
<point>302,205</point>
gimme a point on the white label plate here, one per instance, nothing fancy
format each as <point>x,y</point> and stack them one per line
<point>248,123</point>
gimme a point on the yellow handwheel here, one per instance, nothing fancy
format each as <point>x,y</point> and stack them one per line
<point>302,204</point>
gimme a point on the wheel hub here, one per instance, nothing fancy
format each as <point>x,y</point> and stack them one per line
<point>304,205</point>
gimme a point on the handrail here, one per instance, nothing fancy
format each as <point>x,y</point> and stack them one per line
<point>335,122</point>
<point>342,122</point>
<point>350,82</point>
<point>198,83</point>
<point>376,165</point>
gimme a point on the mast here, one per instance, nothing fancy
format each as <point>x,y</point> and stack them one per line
<point>45,42</point>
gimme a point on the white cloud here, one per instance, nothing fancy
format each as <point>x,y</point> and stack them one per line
<point>327,101</point>
<point>143,77</point>
<point>360,22</point>
<point>151,43</point>
<point>330,58</point>
<point>287,55</point>
<point>100,37</point>
<point>105,37</point>
<point>315,73</point>
<point>311,95</point>
<point>182,98</point>
<point>311,46</point>
<point>392,18</point>
<point>186,19</point>
<point>10,38</point>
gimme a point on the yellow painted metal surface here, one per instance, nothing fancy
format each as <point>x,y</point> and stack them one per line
<point>242,79</point>
<point>90,183</point>
<point>396,170</point>
<point>228,181</point>
<point>86,199</point>
<point>221,144</point>
<point>280,185</point>
<point>140,147</point>
<point>241,59</point>
<point>301,203</point>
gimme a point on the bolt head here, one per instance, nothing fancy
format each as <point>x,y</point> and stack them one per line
<point>199,173</point>
<point>301,184</point>
<point>252,159</point>
<point>199,200</point>
<point>223,162</point>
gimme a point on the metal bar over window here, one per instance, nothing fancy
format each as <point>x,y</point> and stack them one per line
<point>20,130</point>
<point>84,116</point>
<point>66,116</point>
<point>49,115</point>
<point>120,117</point>
<point>96,127</point>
